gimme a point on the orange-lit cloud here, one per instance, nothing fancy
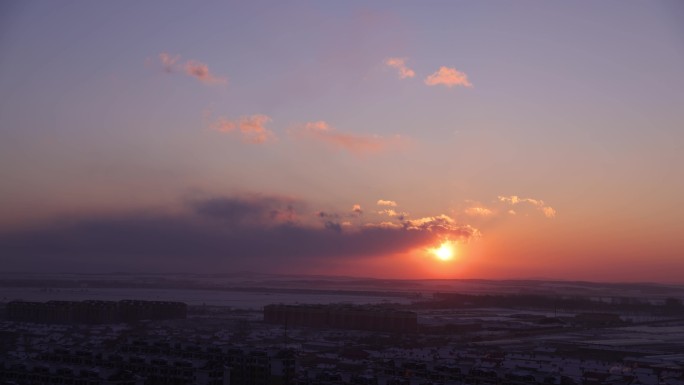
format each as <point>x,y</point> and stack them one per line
<point>382,202</point>
<point>400,65</point>
<point>355,143</point>
<point>252,128</point>
<point>548,211</point>
<point>356,209</point>
<point>479,211</point>
<point>448,77</point>
<point>392,213</point>
<point>441,224</point>
<point>199,71</point>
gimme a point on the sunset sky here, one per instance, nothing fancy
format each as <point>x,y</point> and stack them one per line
<point>528,139</point>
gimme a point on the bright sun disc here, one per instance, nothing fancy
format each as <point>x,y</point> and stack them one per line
<point>444,252</point>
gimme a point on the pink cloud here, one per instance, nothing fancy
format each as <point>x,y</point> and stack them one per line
<point>199,71</point>
<point>354,143</point>
<point>168,62</point>
<point>252,128</point>
<point>400,65</point>
<point>448,77</point>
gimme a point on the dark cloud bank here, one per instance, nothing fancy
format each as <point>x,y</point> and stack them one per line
<point>213,235</point>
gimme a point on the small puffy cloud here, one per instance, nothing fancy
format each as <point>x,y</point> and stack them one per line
<point>355,143</point>
<point>382,202</point>
<point>252,128</point>
<point>400,65</point>
<point>168,61</point>
<point>548,211</point>
<point>200,71</point>
<point>512,212</point>
<point>479,211</point>
<point>194,68</point>
<point>448,77</point>
<point>356,209</point>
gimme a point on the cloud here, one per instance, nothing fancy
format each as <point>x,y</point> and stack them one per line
<point>479,211</point>
<point>548,211</point>
<point>200,71</point>
<point>194,68</point>
<point>382,202</point>
<point>448,77</point>
<point>356,209</point>
<point>215,234</point>
<point>400,65</point>
<point>252,128</point>
<point>168,62</point>
<point>443,225</point>
<point>359,144</point>
<point>389,212</point>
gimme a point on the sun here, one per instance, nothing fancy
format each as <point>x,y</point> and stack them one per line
<point>445,251</point>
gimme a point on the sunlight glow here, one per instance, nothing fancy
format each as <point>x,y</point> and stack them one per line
<point>445,251</point>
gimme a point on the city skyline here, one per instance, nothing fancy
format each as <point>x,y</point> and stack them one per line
<point>391,139</point>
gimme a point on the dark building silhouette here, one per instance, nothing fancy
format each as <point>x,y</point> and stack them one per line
<point>371,318</point>
<point>94,312</point>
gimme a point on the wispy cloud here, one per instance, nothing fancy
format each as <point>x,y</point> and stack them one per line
<point>355,143</point>
<point>448,77</point>
<point>252,128</point>
<point>479,211</point>
<point>382,202</point>
<point>548,211</point>
<point>400,65</point>
<point>393,213</point>
<point>168,61</point>
<point>194,68</point>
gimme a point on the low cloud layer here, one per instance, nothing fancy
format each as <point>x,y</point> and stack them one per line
<point>217,234</point>
<point>193,68</point>
<point>449,77</point>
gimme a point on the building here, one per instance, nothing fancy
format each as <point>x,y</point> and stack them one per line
<point>371,318</point>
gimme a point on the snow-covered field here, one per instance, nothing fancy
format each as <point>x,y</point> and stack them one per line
<point>235,299</point>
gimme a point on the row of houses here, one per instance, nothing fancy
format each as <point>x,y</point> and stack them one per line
<point>371,318</point>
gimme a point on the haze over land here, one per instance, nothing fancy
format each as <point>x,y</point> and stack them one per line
<point>389,140</point>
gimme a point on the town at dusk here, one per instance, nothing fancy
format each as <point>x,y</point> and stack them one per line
<point>193,161</point>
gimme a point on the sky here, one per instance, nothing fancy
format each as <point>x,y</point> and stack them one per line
<point>390,139</point>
